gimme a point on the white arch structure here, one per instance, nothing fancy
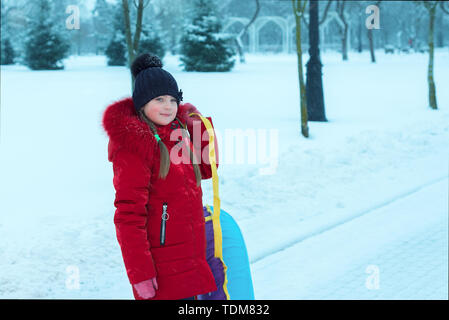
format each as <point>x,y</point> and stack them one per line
<point>253,31</point>
<point>287,25</point>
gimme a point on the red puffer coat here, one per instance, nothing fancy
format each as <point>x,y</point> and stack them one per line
<point>179,264</point>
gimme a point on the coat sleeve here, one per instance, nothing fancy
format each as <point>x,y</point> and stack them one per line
<point>201,147</point>
<point>131,182</point>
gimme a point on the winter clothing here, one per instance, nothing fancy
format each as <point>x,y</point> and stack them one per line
<point>141,198</point>
<point>152,81</point>
<point>147,288</point>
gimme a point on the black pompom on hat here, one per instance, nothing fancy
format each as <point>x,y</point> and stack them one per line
<point>152,81</point>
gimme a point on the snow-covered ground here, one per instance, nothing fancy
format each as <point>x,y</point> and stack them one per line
<point>358,210</point>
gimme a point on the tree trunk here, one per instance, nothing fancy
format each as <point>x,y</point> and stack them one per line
<point>371,45</point>
<point>239,47</point>
<point>128,37</point>
<point>238,39</point>
<point>132,45</point>
<point>370,39</point>
<point>344,46</point>
<point>302,89</point>
<point>344,40</point>
<point>79,42</point>
<point>359,34</point>
<point>432,91</point>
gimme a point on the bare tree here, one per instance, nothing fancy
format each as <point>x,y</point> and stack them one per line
<point>323,17</point>
<point>238,38</point>
<point>298,11</point>
<point>444,5</point>
<point>370,39</point>
<point>133,42</point>
<point>326,10</point>
<point>344,31</point>
<point>360,25</point>
<point>431,8</point>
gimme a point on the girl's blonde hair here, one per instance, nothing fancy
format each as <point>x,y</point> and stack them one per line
<point>165,157</point>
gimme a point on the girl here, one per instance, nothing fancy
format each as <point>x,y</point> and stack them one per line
<point>159,211</point>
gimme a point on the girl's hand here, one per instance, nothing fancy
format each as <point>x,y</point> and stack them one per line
<point>146,289</point>
<point>188,109</point>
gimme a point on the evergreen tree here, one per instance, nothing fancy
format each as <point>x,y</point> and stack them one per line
<point>7,53</point>
<point>203,47</point>
<point>116,51</point>
<point>44,47</point>
<point>151,43</point>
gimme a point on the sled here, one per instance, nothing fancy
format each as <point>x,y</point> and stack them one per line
<point>226,251</point>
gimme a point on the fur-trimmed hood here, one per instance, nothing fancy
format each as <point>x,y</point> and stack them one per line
<point>125,129</point>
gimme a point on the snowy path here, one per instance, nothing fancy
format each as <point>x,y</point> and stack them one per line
<point>333,224</point>
<point>404,242</point>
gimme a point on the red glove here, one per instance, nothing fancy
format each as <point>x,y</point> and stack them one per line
<point>187,109</point>
<point>146,289</point>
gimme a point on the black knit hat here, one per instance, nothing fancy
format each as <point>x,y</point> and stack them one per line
<point>152,81</point>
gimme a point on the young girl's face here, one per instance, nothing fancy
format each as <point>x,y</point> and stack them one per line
<point>161,110</point>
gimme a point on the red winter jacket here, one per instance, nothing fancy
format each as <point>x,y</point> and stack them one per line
<point>179,264</point>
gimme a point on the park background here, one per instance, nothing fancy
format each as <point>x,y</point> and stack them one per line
<point>357,206</point>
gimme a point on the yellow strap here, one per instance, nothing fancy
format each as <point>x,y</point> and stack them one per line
<point>212,161</point>
<point>215,216</point>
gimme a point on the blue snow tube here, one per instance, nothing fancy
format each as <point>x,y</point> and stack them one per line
<point>231,271</point>
<point>226,250</point>
<point>235,255</point>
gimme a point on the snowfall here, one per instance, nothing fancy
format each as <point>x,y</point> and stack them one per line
<point>359,210</point>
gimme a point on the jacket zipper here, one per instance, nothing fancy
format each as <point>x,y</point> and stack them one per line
<point>164,218</point>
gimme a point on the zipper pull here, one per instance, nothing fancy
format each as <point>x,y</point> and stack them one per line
<point>164,218</point>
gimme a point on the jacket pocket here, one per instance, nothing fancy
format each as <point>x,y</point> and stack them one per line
<point>164,218</point>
